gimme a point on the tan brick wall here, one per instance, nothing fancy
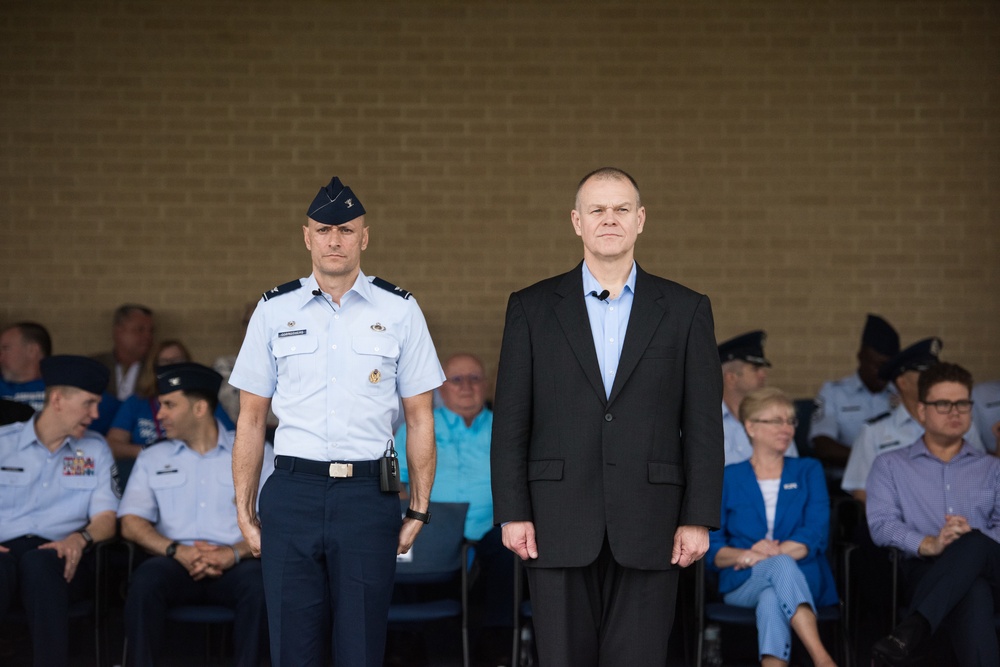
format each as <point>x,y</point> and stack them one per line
<point>802,163</point>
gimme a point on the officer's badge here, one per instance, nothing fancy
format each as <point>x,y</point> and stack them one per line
<point>375,376</point>
<point>378,327</point>
<point>291,323</point>
<point>175,381</point>
<point>78,465</point>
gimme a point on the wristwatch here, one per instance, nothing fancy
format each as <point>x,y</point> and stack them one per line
<point>86,538</point>
<point>419,516</point>
<point>172,549</point>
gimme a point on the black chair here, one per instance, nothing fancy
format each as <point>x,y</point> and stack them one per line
<point>522,651</point>
<point>803,412</point>
<point>438,559</point>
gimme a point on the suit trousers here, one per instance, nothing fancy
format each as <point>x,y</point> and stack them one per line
<point>959,591</point>
<point>37,574</point>
<point>160,583</point>
<point>602,615</point>
<point>328,550</point>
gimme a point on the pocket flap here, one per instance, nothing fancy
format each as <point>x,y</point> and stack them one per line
<point>285,347</point>
<point>665,473</point>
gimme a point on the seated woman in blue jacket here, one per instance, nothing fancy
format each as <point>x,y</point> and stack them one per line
<point>775,524</point>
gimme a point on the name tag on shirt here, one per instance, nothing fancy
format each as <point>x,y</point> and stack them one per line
<point>286,334</point>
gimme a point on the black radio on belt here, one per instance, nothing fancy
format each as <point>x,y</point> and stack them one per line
<point>388,477</point>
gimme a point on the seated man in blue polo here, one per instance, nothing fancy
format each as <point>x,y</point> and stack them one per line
<point>22,347</point>
<point>58,496</point>
<point>462,430</point>
<point>744,369</point>
<point>178,506</point>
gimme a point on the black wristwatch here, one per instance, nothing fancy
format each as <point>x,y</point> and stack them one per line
<point>86,538</point>
<point>419,516</point>
<point>172,549</point>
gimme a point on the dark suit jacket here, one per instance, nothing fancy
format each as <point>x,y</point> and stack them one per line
<point>802,515</point>
<point>635,465</point>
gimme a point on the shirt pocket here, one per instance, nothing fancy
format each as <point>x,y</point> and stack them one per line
<point>13,489</point>
<point>171,492</point>
<point>298,367</point>
<point>376,358</point>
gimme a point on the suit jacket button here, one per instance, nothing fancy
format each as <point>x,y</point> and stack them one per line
<point>608,417</point>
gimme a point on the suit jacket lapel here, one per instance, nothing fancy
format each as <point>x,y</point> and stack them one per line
<point>571,312</point>
<point>648,308</point>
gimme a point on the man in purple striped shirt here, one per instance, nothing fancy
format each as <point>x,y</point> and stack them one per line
<point>938,501</point>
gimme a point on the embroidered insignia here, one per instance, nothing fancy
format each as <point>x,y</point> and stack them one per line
<point>386,285</point>
<point>78,465</point>
<point>377,327</point>
<point>290,286</point>
<point>375,376</point>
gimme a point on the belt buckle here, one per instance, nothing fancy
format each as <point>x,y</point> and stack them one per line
<point>341,470</point>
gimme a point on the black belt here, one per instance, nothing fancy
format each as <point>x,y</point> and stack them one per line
<point>328,468</point>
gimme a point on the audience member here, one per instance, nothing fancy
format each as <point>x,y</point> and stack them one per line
<point>136,424</point>
<point>132,337</point>
<point>178,506</point>
<point>901,426</point>
<point>22,348</point>
<point>744,369</point>
<point>938,501</point>
<point>462,430</point>
<point>57,497</point>
<point>775,526</point>
<point>843,406</point>
<point>986,413</point>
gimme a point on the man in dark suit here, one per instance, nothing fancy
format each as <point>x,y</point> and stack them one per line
<point>607,439</point>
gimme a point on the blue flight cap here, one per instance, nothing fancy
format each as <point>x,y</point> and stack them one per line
<point>748,347</point>
<point>880,336</point>
<point>335,204</point>
<point>70,370</point>
<point>187,376</point>
<point>918,357</point>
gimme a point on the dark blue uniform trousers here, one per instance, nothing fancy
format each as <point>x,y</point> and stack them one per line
<point>328,548</point>
<point>37,574</point>
<point>958,591</point>
<point>161,582</point>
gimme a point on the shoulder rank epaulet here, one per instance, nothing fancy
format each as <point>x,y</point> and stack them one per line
<point>290,286</point>
<point>877,418</point>
<point>389,287</point>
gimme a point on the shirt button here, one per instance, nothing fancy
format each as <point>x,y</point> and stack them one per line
<point>293,348</point>
<point>610,340</point>
<point>336,317</point>
<point>608,417</point>
<point>376,348</point>
<point>333,347</point>
<point>611,308</point>
<point>333,379</point>
<point>201,504</point>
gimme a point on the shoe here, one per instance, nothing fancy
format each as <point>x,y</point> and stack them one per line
<point>898,646</point>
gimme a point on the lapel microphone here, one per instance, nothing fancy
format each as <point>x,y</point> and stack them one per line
<point>603,296</point>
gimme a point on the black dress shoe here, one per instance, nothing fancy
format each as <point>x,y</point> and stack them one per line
<point>900,645</point>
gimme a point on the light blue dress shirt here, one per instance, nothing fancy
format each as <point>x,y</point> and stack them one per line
<point>608,323</point>
<point>137,415</point>
<point>463,466</point>
<point>52,494</point>
<point>910,491</point>
<point>843,406</point>
<point>335,373</point>
<point>188,496</point>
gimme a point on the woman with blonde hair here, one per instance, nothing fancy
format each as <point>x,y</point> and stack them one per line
<point>770,549</point>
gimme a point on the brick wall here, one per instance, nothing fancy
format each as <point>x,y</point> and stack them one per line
<point>801,163</point>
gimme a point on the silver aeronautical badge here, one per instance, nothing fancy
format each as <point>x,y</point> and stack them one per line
<point>378,327</point>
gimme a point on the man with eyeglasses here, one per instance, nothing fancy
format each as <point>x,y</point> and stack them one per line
<point>938,501</point>
<point>744,369</point>
<point>462,429</point>
<point>900,426</point>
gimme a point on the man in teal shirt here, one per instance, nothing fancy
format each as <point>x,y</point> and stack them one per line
<point>462,430</point>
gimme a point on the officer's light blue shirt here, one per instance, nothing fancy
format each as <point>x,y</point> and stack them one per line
<point>52,494</point>
<point>335,373</point>
<point>608,323</point>
<point>843,406</point>
<point>188,496</point>
<point>463,466</point>
<point>31,392</point>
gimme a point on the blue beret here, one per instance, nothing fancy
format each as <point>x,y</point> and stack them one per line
<point>70,370</point>
<point>880,336</point>
<point>187,376</point>
<point>335,204</point>
<point>748,347</point>
<point>918,357</point>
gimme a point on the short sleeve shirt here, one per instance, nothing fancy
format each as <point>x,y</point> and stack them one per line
<point>843,406</point>
<point>335,373</point>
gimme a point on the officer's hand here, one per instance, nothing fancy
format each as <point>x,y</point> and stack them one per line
<point>214,558</point>
<point>69,549</point>
<point>4,549</point>
<point>408,534</point>
<point>519,537</point>
<point>250,527</point>
<point>190,558</point>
